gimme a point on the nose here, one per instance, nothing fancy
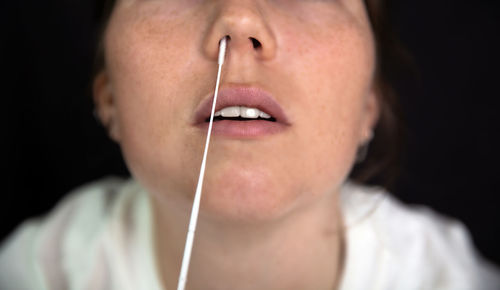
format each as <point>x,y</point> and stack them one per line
<point>248,31</point>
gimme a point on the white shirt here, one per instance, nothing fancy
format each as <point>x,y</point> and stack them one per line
<point>100,238</point>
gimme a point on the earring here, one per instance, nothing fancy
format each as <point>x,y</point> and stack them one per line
<point>363,148</point>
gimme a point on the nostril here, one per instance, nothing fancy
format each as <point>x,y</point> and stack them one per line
<point>256,43</point>
<point>228,39</point>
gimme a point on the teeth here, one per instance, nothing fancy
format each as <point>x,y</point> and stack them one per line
<point>230,112</point>
<point>264,115</point>
<point>244,112</point>
<point>250,113</point>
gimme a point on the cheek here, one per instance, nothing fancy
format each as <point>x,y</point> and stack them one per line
<point>334,75</point>
<point>149,75</point>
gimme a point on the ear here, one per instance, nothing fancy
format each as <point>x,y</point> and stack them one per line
<point>105,105</point>
<point>371,115</point>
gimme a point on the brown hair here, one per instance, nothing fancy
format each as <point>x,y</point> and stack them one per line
<point>382,162</point>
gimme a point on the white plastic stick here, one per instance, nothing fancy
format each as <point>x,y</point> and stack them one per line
<point>197,197</point>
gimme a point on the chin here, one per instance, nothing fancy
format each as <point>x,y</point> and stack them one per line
<point>241,196</point>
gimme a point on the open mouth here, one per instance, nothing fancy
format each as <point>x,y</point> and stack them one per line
<point>241,113</point>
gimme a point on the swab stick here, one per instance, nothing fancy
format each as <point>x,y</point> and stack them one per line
<point>197,197</point>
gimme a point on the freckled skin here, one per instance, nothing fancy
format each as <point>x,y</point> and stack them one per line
<point>320,72</point>
<point>265,198</point>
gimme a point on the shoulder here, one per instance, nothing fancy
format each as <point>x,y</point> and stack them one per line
<point>37,255</point>
<point>423,249</point>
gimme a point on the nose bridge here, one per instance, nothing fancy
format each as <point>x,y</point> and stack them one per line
<point>245,24</point>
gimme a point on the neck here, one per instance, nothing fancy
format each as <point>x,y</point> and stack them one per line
<point>300,251</point>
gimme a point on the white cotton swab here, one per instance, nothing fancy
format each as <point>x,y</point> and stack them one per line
<point>197,197</point>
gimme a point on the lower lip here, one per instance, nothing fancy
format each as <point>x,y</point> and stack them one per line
<point>244,129</point>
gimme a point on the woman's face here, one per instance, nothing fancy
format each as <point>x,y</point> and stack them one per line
<point>314,58</point>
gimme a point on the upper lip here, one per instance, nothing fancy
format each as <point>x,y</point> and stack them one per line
<point>242,96</point>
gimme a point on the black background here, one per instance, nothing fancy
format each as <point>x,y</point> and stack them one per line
<point>53,144</point>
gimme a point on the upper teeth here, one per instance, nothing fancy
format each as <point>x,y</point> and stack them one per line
<point>240,111</point>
